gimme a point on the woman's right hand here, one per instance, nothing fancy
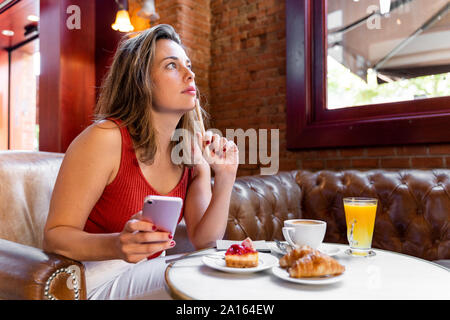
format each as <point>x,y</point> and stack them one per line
<point>140,239</point>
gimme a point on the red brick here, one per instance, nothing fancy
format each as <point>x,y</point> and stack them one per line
<point>352,152</point>
<point>288,164</point>
<point>391,163</point>
<point>440,149</point>
<point>381,151</point>
<point>427,162</point>
<point>412,150</point>
<point>246,165</point>
<point>365,163</point>
<point>338,164</point>
<point>312,164</point>
<point>246,172</point>
<point>275,9</point>
<point>327,154</point>
<point>312,154</point>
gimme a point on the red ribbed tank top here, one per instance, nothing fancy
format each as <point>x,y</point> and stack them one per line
<point>125,196</point>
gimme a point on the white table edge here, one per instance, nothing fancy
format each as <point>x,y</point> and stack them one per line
<point>178,295</point>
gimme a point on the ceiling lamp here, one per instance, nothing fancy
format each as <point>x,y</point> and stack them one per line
<point>33,18</point>
<point>123,23</point>
<point>8,33</point>
<point>385,6</point>
<point>148,10</point>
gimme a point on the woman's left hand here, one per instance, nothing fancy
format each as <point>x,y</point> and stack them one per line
<point>221,154</point>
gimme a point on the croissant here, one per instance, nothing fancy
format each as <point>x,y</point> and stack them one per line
<point>288,259</point>
<point>315,265</point>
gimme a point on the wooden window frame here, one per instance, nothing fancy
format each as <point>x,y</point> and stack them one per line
<point>311,125</point>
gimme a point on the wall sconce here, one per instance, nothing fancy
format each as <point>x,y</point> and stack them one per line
<point>148,10</point>
<point>123,23</point>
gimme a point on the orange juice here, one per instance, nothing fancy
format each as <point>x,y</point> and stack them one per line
<point>360,216</point>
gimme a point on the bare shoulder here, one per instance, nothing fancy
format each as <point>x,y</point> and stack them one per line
<point>88,166</point>
<point>103,136</point>
<point>99,144</point>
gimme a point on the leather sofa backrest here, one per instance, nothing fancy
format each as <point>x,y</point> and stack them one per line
<point>26,184</point>
<point>260,204</point>
<point>413,213</point>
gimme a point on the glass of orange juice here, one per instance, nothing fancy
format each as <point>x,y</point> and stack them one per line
<point>360,216</point>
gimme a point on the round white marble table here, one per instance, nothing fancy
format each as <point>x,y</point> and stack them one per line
<point>387,275</point>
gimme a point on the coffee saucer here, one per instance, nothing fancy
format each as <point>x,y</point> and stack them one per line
<point>369,254</point>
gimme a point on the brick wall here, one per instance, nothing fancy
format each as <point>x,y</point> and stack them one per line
<point>192,21</point>
<point>246,82</point>
<point>248,71</point>
<point>414,156</point>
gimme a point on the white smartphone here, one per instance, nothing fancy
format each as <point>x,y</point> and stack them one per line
<point>163,212</point>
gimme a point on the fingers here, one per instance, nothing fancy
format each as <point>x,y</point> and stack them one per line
<point>215,144</point>
<point>135,252</point>
<point>231,152</point>
<point>220,146</point>
<point>140,239</point>
<point>150,248</point>
<point>219,150</point>
<point>136,225</point>
<point>197,150</point>
<point>137,216</point>
<point>199,139</point>
<point>207,138</point>
<point>154,247</point>
<point>146,237</point>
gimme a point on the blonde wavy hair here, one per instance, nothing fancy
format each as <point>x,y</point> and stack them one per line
<point>126,93</point>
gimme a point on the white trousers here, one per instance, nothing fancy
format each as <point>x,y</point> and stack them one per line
<point>120,280</point>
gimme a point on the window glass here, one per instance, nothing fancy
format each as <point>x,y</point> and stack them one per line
<point>24,81</point>
<point>382,51</point>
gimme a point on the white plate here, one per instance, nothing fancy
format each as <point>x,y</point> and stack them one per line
<point>328,250</point>
<point>265,261</point>
<point>284,274</point>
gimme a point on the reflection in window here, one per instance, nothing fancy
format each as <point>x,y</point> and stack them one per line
<point>374,58</point>
<point>25,70</point>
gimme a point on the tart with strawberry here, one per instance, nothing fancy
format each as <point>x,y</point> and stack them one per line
<point>242,255</point>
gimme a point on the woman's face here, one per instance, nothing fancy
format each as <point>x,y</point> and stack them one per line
<point>173,80</point>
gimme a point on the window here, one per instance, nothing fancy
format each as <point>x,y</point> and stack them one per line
<point>24,81</point>
<point>358,77</point>
<point>19,75</point>
<point>387,54</point>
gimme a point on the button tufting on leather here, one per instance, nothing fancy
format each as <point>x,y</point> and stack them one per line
<point>400,222</point>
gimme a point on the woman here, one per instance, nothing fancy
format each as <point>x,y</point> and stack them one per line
<point>126,155</point>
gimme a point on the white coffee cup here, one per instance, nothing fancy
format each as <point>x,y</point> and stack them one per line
<point>300,232</point>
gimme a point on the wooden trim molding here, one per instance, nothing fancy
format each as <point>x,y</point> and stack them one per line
<point>311,125</point>
<point>73,63</point>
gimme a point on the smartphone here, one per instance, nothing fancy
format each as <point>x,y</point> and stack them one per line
<point>164,212</point>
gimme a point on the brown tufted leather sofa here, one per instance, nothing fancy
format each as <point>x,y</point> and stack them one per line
<point>412,217</point>
<point>413,214</point>
<point>26,271</point>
